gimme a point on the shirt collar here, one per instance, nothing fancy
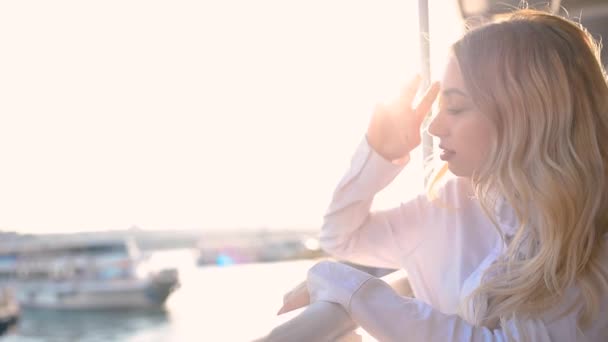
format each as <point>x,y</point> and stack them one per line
<point>506,218</point>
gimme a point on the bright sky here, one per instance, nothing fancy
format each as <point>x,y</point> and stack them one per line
<point>193,114</point>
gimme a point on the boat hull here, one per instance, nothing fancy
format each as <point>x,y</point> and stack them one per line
<point>91,295</point>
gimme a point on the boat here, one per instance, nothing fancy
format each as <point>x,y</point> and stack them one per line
<point>9,311</point>
<point>79,273</point>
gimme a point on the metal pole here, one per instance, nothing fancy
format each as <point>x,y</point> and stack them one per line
<point>425,65</point>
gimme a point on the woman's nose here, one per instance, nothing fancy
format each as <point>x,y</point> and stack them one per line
<point>437,127</point>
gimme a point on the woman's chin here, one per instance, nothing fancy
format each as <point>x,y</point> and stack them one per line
<point>456,171</point>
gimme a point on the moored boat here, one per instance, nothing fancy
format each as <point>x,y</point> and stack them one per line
<point>84,274</point>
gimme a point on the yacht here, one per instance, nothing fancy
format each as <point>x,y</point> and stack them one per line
<point>77,273</point>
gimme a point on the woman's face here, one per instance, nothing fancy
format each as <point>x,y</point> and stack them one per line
<point>465,134</point>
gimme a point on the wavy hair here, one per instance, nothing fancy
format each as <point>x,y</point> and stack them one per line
<point>539,78</point>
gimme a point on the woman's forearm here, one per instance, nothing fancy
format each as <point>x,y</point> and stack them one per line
<point>324,321</point>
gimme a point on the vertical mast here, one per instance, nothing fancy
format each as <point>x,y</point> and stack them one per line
<point>425,65</point>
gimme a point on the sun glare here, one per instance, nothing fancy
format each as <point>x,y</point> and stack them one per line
<point>186,115</point>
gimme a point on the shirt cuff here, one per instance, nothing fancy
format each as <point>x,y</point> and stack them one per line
<point>335,282</point>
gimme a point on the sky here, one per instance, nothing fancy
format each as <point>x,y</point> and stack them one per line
<point>203,115</point>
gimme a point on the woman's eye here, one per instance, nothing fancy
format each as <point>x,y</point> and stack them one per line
<point>456,111</point>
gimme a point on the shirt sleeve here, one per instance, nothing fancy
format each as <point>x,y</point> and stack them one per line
<point>351,232</point>
<point>387,316</point>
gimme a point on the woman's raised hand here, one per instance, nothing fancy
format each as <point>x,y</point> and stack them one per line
<point>394,129</point>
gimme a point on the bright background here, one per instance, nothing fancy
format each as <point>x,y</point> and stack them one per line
<point>184,114</point>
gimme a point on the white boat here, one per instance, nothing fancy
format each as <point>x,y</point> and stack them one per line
<point>81,273</point>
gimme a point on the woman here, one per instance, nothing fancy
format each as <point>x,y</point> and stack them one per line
<point>515,247</point>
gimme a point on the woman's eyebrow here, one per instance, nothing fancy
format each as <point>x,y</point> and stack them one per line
<point>453,91</point>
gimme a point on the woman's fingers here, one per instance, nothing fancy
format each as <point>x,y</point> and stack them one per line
<point>294,303</point>
<point>424,107</point>
<point>411,123</point>
<point>409,93</point>
<point>295,299</point>
<point>394,129</point>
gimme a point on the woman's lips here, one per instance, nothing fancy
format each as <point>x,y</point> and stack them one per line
<point>446,154</point>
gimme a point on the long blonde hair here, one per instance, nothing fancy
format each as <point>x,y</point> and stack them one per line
<point>538,77</point>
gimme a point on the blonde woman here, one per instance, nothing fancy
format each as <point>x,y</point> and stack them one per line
<point>515,247</point>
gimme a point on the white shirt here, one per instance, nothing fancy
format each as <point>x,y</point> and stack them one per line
<point>443,247</point>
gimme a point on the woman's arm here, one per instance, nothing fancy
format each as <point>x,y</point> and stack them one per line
<point>351,232</point>
<point>388,316</point>
<point>325,321</point>
<point>320,321</point>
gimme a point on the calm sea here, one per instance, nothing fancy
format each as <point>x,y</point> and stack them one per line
<point>233,303</point>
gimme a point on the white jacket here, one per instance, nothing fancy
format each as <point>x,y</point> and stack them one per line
<point>444,248</point>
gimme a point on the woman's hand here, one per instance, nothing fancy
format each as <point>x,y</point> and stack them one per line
<point>394,130</point>
<point>295,299</point>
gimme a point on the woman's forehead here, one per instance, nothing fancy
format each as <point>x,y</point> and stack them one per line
<point>452,82</point>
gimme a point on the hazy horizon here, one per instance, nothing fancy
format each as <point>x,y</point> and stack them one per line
<point>194,115</point>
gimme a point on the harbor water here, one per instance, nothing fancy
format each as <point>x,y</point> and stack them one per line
<point>230,303</point>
